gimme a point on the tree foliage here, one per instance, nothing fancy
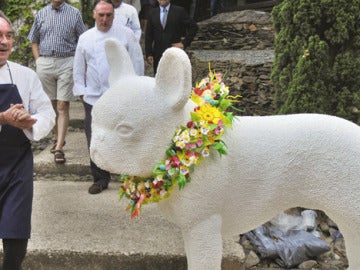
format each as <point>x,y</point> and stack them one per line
<point>21,14</point>
<point>317,63</point>
<point>87,7</point>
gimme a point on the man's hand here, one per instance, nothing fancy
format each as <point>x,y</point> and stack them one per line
<point>150,60</point>
<point>178,45</point>
<point>17,116</point>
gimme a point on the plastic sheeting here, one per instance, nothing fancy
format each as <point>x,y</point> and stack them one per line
<point>288,247</point>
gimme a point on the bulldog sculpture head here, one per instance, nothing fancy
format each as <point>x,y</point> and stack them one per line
<point>273,162</point>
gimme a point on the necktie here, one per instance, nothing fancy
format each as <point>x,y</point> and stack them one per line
<point>164,17</point>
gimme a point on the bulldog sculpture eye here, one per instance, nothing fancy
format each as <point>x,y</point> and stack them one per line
<point>124,129</point>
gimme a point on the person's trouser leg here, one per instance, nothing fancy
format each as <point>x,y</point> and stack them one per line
<point>212,7</point>
<point>100,176</point>
<point>192,9</point>
<point>14,253</point>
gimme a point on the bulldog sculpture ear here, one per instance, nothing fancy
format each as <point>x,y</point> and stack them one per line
<point>118,59</point>
<point>173,77</point>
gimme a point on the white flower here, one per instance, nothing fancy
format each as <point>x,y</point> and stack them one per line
<point>205,152</point>
<point>224,90</point>
<point>176,138</point>
<point>193,132</point>
<point>207,93</point>
<point>204,130</point>
<point>186,137</point>
<point>184,170</point>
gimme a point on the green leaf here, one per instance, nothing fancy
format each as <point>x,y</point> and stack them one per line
<point>181,180</point>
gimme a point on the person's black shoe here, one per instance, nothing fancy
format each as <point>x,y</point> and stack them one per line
<point>96,188</point>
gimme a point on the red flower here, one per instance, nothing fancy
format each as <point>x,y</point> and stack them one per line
<point>196,108</point>
<point>198,91</point>
<point>175,161</point>
<point>190,124</point>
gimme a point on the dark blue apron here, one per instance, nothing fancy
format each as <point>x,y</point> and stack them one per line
<point>16,173</point>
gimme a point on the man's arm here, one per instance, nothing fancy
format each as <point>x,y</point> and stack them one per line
<point>135,26</point>
<point>135,53</point>
<point>191,29</point>
<point>35,50</point>
<point>149,35</point>
<point>79,71</point>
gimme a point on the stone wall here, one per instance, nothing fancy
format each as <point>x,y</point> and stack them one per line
<point>239,45</point>
<point>238,30</point>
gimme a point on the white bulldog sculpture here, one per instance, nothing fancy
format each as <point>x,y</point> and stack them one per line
<point>273,162</point>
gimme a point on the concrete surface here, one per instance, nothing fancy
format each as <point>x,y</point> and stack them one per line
<point>72,229</point>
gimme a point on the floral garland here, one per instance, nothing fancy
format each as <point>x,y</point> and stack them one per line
<point>189,146</point>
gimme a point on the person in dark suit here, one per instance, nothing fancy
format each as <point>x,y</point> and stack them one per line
<point>179,30</point>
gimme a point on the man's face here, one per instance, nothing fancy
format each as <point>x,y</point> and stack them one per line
<point>104,16</point>
<point>6,41</point>
<point>163,3</point>
<point>116,3</point>
<point>57,3</point>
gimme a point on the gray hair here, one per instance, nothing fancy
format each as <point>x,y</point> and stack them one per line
<point>2,15</point>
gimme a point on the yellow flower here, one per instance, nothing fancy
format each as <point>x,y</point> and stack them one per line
<point>180,144</point>
<point>209,114</point>
<point>188,161</point>
<point>141,188</point>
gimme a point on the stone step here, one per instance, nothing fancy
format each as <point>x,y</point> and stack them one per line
<point>77,115</point>
<point>76,154</point>
<point>73,230</point>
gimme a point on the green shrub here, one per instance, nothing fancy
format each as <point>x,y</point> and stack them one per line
<point>317,64</point>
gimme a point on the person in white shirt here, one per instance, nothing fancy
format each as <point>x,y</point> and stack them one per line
<point>135,3</point>
<point>26,114</point>
<point>91,70</point>
<point>127,15</point>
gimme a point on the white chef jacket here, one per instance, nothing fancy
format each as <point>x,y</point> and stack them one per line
<point>91,69</point>
<point>35,100</point>
<point>135,3</point>
<point>126,15</point>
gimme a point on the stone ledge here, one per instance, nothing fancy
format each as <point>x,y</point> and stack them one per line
<point>239,30</point>
<point>68,260</point>
<point>247,57</point>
